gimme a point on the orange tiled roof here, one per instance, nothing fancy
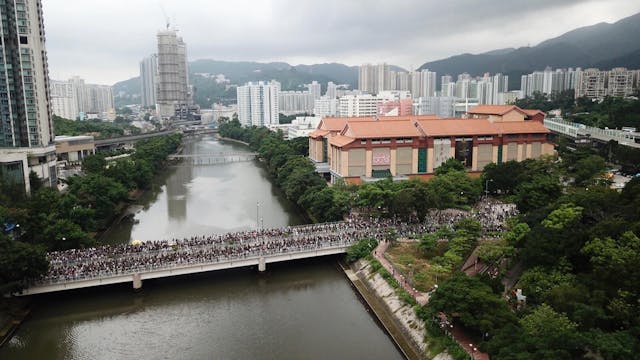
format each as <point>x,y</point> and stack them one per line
<point>456,126</point>
<point>341,140</point>
<point>381,129</point>
<point>519,127</point>
<point>409,117</point>
<point>318,133</point>
<point>494,109</point>
<point>468,127</point>
<point>338,123</point>
<point>532,112</point>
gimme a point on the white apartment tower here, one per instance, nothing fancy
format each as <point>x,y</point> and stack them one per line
<point>149,79</point>
<point>63,103</point>
<point>591,84</point>
<point>331,90</point>
<point>315,89</point>
<point>374,78</point>
<point>26,129</point>
<point>173,81</point>
<point>258,103</point>
<point>620,82</point>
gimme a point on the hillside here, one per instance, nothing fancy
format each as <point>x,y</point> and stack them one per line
<point>240,72</point>
<point>601,45</point>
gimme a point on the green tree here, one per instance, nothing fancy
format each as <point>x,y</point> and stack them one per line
<point>473,303</point>
<point>550,330</point>
<point>565,215</point>
<point>588,168</point>
<point>34,181</point>
<point>448,166</point>
<point>20,264</point>
<point>94,164</point>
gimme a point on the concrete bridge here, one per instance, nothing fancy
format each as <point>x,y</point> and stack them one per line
<point>116,142</point>
<point>114,264</point>
<point>138,274</point>
<point>583,133</point>
<point>213,158</point>
<point>124,140</point>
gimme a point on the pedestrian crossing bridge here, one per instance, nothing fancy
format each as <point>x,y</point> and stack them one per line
<point>212,158</point>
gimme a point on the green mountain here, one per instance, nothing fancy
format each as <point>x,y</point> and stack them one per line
<point>602,45</point>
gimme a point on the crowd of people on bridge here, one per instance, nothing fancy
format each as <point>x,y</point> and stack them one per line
<point>110,260</point>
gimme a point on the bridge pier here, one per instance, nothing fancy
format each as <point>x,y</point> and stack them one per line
<point>262,265</point>
<point>137,282</point>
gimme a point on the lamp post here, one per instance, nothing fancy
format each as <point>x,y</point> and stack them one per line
<point>486,187</point>
<point>257,216</point>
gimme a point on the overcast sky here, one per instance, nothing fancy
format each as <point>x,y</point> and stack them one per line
<point>103,41</point>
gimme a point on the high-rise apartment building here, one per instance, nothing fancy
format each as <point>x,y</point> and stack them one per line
<point>315,89</point>
<point>173,81</point>
<point>620,82</point>
<point>63,103</point>
<point>549,81</point>
<point>423,83</point>
<point>442,106</point>
<point>87,98</point>
<point>295,102</point>
<point>591,84</point>
<point>367,104</point>
<point>332,90</point>
<point>374,78</point>
<point>26,129</point>
<point>100,98</point>
<point>358,105</point>
<point>148,80</point>
<point>403,81</point>
<point>326,106</point>
<point>258,103</point>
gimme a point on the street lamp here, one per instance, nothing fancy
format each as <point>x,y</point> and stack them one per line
<point>257,216</point>
<point>486,187</point>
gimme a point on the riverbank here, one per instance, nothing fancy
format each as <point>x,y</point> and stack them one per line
<point>13,313</point>
<point>232,140</point>
<point>398,319</point>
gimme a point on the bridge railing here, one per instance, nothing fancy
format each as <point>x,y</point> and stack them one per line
<point>189,262</point>
<point>574,129</point>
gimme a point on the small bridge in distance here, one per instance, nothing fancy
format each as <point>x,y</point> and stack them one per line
<point>212,158</point>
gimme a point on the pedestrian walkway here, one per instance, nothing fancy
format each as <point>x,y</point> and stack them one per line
<point>423,298</point>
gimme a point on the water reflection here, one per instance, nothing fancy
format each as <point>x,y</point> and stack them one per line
<point>225,200</point>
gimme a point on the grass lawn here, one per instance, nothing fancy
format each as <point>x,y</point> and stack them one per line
<point>421,274</point>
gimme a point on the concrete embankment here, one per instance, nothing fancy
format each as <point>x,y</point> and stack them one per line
<point>399,319</point>
<point>233,140</point>
<point>11,318</point>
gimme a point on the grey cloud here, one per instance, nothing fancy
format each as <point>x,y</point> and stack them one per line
<point>86,34</point>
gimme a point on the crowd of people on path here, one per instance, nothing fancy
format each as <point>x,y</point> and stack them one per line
<point>110,260</point>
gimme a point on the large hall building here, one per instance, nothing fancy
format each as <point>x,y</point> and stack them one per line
<point>362,149</point>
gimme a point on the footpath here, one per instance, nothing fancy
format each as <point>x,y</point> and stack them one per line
<point>423,298</point>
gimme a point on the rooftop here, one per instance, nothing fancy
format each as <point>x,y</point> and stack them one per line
<point>381,129</point>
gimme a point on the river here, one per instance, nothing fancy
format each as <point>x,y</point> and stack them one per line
<point>300,310</point>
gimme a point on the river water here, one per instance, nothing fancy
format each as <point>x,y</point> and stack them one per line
<point>300,310</point>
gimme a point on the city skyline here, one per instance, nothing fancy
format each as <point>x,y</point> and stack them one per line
<point>320,32</point>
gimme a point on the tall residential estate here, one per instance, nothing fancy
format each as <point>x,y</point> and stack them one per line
<point>258,103</point>
<point>26,129</point>
<point>173,81</point>
<point>149,80</point>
